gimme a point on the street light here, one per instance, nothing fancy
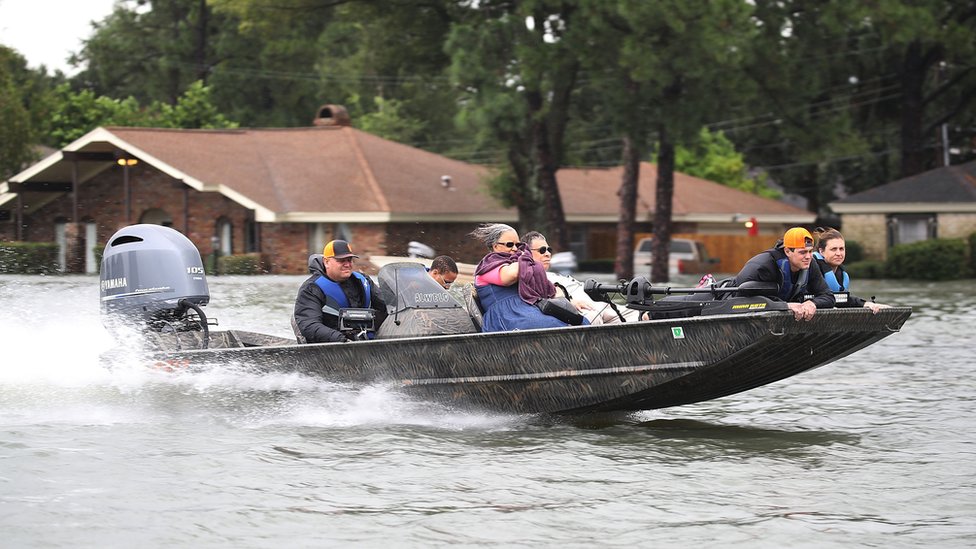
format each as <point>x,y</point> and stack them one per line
<point>126,163</point>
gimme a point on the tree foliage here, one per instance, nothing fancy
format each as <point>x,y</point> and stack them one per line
<point>77,113</point>
<point>713,157</point>
<point>15,123</point>
<point>851,95</point>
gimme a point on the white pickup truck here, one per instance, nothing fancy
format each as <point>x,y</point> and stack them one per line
<point>686,257</point>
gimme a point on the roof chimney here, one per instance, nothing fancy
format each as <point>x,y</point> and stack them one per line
<point>332,115</point>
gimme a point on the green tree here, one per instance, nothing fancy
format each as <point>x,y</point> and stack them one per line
<point>713,157</point>
<point>151,50</point>
<point>518,65</point>
<point>77,113</point>
<point>16,133</point>
<point>665,68</point>
<point>383,61</point>
<point>390,122</point>
<point>193,109</point>
<point>853,94</point>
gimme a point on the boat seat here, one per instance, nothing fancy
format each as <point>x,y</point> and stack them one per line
<point>298,333</point>
<point>473,305</point>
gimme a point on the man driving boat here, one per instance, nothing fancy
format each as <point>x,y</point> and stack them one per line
<point>332,287</point>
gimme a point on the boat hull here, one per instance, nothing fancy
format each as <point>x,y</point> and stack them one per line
<point>616,367</point>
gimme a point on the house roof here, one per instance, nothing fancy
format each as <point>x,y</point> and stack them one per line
<point>592,192</point>
<point>946,189</point>
<point>339,173</point>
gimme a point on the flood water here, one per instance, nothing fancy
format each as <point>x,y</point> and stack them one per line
<point>875,450</point>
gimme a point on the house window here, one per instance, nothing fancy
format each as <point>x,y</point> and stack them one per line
<point>577,240</point>
<point>316,238</point>
<point>905,229</point>
<point>251,237</point>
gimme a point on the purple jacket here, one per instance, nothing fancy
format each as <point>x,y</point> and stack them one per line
<point>533,284</point>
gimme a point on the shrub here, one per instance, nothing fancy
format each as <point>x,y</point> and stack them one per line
<point>972,254</point>
<point>99,251</point>
<point>241,264</point>
<point>939,259</point>
<point>28,257</point>
<point>865,269</point>
<point>855,252</point>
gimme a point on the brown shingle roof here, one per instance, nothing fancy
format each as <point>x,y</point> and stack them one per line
<point>594,190</point>
<point>320,169</point>
<point>311,174</point>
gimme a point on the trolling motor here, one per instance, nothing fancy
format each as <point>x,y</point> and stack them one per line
<point>715,298</point>
<point>152,276</point>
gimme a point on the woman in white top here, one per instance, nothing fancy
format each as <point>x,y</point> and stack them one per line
<point>597,312</point>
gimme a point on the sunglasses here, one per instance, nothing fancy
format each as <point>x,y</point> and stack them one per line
<point>506,244</point>
<point>545,250</point>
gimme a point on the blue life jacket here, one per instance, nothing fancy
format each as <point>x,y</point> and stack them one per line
<point>334,295</point>
<point>333,291</point>
<point>831,278</point>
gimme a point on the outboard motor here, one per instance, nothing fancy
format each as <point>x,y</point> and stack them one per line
<point>153,276</point>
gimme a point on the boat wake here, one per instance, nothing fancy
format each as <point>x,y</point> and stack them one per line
<point>60,377</point>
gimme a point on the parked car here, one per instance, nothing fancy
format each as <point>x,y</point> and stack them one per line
<point>687,256</point>
<point>563,263</point>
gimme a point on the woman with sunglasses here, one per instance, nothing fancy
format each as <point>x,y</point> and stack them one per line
<point>595,312</point>
<point>509,282</point>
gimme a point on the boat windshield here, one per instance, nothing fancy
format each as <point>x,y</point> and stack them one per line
<point>408,286</point>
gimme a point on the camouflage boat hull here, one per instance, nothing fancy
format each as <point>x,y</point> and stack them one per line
<point>616,367</point>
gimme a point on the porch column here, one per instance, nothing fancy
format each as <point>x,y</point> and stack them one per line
<point>74,247</point>
<point>19,236</point>
<point>74,191</point>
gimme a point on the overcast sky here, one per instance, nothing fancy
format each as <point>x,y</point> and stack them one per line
<point>46,32</point>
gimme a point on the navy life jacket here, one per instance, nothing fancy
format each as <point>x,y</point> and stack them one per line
<point>788,290</point>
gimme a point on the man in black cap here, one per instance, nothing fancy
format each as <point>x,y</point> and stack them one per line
<point>333,286</point>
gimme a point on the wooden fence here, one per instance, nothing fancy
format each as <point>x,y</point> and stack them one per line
<point>732,250</point>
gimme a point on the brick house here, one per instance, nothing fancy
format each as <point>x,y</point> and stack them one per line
<point>283,193</point>
<point>939,203</point>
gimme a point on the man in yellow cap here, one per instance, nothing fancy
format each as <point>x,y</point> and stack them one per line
<point>332,287</point>
<point>788,265</point>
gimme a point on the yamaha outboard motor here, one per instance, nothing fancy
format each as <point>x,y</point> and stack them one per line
<point>153,276</point>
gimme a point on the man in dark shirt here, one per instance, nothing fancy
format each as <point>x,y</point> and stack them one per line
<point>788,265</point>
<point>333,286</point>
<point>444,270</point>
